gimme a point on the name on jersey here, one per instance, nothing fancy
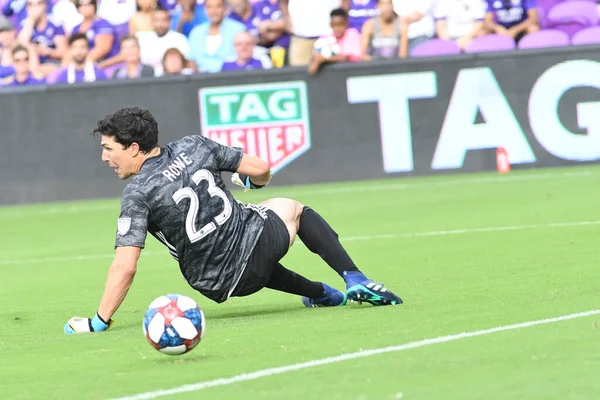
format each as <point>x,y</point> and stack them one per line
<point>173,171</point>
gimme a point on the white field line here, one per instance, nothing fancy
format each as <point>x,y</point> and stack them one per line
<point>347,239</point>
<point>263,373</point>
<point>291,192</point>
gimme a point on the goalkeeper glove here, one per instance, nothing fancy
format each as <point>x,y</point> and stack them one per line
<point>244,181</point>
<point>86,325</point>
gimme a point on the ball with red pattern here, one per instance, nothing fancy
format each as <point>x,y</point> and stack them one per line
<point>174,324</point>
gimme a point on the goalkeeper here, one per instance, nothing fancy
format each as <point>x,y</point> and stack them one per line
<point>224,248</point>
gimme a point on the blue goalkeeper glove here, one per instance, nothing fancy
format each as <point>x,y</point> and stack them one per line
<point>244,181</point>
<point>86,325</point>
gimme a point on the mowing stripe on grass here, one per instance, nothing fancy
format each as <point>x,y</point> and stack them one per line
<point>347,239</point>
<point>14,211</point>
<point>344,357</point>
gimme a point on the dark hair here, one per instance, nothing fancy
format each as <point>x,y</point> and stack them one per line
<point>18,48</point>
<point>339,12</point>
<point>78,36</point>
<point>130,125</point>
<point>130,37</point>
<point>161,8</point>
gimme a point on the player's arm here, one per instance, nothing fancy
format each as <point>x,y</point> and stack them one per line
<point>252,173</point>
<point>119,280</point>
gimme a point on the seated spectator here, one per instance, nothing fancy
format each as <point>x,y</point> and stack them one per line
<point>48,39</point>
<point>515,18</point>
<point>418,14</point>
<point>212,42</point>
<point>360,11</point>
<point>18,9</point>
<point>8,40</point>
<point>245,13</point>
<point>133,68</point>
<point>142,20</point>
<point>118,13</point>
<point>174,63</point>
<point>81,67</point>
<point>153,45</point>
<point>272,26</point>
<point>23,75</point>
<point>244,44</point>
<point>186,16</point>
<point>348,39</point>
<point>384,36</point>
<point>459,20</point>
<point>102,37</point>
<point>306,20</point>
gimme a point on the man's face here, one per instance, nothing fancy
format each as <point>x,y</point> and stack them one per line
<point>7,38</point>
<point>240,7</point>
<point>215,10</point>
<point>244,46</point>
<point>130,50</point>
<point>21,62</point>
<point>161,21</point>
<point>339,26</point>
<point>119,158</point>
<point>79,51</point>
<point>386,8</point>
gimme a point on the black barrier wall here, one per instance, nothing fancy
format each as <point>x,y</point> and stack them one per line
<point>351,122</point>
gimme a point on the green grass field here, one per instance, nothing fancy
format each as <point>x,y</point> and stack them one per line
<point>465,252</point>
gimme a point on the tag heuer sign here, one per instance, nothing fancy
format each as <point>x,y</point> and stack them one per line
<point>267,120</point>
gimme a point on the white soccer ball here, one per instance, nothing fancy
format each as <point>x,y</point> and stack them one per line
<point>327,46</point>
<point>174,324</point>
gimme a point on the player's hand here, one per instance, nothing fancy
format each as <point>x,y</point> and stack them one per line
<point>86,325</point>
<point>243,181</point>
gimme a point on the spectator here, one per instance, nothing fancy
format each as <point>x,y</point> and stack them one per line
<point>102,37</point>
<point>212,42</point>
<point>8,36</point>
<point>244,44</point>
<point>459,20</point>
<point>272,27</point>
<point>384,36</point>
<point>154,44</point>
<point>348,39</point>
<point>18,9</point>
<point>360,11</point>
<point>133,68</point>
<point>514,18</point>
<point>118,13</point>
<point>174,63</point>
<point>418,14</point>
<point>187,16</point>
<point>306,20</point>
<point>245,13</point>
<point>142,20</point>
<point>48,39</point>
<point>81,67</point>
<point>23,74</point>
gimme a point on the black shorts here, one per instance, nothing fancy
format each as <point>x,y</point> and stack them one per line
<point>273,244</point>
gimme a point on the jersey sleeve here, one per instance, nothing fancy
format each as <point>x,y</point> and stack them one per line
<point>132,226</point>
<point>228,158</point>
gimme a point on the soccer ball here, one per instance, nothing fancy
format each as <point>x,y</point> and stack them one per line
<point>173,324</point>
<point>327,46</point>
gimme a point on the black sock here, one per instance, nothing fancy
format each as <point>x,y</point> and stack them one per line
<point>321,239</point>
<point>284,280</point>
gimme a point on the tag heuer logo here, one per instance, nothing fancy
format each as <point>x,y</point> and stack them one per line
<point>269,121</point>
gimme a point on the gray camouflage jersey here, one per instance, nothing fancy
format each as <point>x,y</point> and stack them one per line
<point>180,198</point>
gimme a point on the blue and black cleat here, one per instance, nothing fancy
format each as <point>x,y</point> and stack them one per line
<point>366,290</point>
<point>330,298</point>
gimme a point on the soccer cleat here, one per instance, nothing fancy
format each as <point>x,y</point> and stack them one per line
<point>330,298</point>
<point>362,289</point>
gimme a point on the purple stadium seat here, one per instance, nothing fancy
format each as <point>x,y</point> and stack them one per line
<point>435,47</point>
<point>491,43</point>
<point>546,38</point>
<point>543,6</point>
<point>587,36</point>
<point>573,16</point>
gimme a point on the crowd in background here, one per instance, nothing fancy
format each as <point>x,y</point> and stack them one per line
<point>69,41</point>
